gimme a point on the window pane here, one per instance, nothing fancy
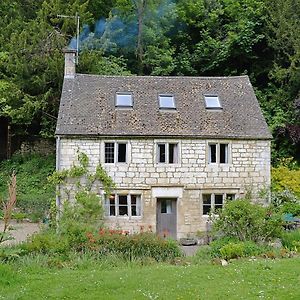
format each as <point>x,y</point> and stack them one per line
<point>161,153</point>
<point>123,207</point>
<point>218,202</point>
<point>230,197</point>
<point>173,153</point>
<point>223,153</point>
<point>207,199</point>
<point>135,205</point>
<point>206,204</point>
<point>124,99</point>
<point>218,199</point>
<point>213,153</point>
<point>166,206</point>
<point>111,205</point>
<point>212,102</point>
<point>122,152</point>
<point>109,152</point>
<point>166,101</point>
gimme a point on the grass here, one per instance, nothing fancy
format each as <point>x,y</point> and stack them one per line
<point>241,279</point>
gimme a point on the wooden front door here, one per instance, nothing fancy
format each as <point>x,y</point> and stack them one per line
<point>166,216</point>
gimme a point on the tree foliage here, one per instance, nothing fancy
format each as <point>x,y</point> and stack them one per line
<point>259,38</point>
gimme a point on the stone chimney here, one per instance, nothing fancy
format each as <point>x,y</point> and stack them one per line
<point>70,63</point>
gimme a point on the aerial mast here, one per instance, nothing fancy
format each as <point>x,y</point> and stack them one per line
<point>77,19</point>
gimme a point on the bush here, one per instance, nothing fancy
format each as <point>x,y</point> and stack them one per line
<point>46,242</point>
<point>291,240</point>
<point>231,248</point>
<point>243,221</point>
<point>131,247</point>
<point>285,178</point>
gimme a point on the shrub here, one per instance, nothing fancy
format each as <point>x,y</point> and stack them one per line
<point>284,178</point>
<point>291,240</point>
<point>231,248</point>
<point>46,242</point>
<point>243,220</point>
<point>131,247</point>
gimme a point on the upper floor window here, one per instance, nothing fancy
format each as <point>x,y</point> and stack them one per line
<point>167,153</point>
<point>124,100</point>
<point>123,205</point>
<point>212,101</point>
<point>167,101</point>
<point>115,152</point>
<point>213,202</point>
<point>218,153</point>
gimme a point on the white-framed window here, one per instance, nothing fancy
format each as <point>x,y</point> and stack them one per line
<point>212,202</point>
<point>115,152</point>
<point>167,153</point>
<point>124,99</point>
<point>166,102</point>
<point>124,205</point>
<point>212,102</point>
<point>218,153</point>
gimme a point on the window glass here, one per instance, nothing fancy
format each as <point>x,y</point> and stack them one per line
<point>166,101</point>
<point>123,207</point>
<point>213,153</point>
<point>223,153</point>
<point>173,153</point>
<point>218,201</point>
<point>212,102</point>
<point>109,152</point>
<point>206,204</point>
<point>124,99</point>
<point>161,153</point>
<point>135,205</point>
<point>110,205</point>
<point>166,206</point>
<point>121,152</point>
<point>230,197</point>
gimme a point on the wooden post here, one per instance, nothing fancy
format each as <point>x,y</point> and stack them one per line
<point>8,141</point>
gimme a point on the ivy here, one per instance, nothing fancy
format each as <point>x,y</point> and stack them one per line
<point>81,171</point>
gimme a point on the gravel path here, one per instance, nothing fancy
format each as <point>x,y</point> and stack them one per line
<point>21,230</point>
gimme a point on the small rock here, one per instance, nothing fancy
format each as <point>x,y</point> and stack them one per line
<point>224,263</point>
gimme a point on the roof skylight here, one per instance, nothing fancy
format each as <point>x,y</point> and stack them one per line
<point>167,101</point>
<point>124,100</point>
<point>212,101</point>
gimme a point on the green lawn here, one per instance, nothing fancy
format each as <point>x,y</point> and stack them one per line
<point>242,279</point>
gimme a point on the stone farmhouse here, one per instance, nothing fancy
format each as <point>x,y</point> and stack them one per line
<point>177,148</point>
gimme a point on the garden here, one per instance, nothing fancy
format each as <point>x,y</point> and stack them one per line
<point>253,249</point>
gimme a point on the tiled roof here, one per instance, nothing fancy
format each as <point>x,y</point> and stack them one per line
<point>88,107</point>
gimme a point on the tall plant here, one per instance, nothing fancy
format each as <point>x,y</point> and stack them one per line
<point>8,207</point>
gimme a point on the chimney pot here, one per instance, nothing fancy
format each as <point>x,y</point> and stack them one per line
<point>70,63</point>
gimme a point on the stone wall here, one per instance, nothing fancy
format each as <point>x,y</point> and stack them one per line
<point>248,168</point>
<point>40,146</point>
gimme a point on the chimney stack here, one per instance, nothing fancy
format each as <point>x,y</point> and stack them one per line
<point>70,63</point>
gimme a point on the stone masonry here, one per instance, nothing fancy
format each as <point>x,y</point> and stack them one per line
<point>248,168</point>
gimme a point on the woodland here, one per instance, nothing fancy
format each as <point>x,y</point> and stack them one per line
<point>258,38</point>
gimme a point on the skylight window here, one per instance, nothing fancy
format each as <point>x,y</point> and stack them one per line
<point>167,101</point>
<point>212,101</point>
<point>124,100</point>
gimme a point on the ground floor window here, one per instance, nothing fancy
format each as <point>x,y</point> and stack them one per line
<point>214,201</point>
<point>123,205</point>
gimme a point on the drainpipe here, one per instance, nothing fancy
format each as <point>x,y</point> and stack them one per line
<point>58,203</point>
